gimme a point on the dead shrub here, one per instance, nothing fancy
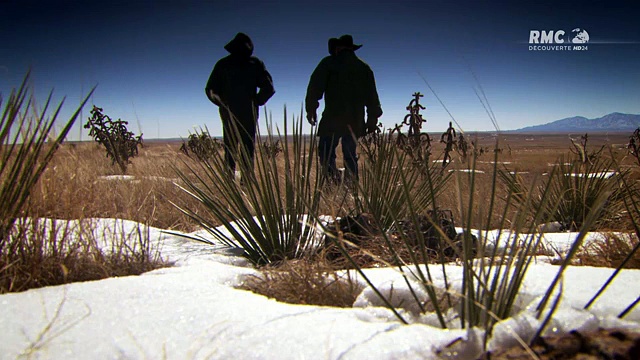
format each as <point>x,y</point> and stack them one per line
<point>308,282</point>
<point>611,251</point>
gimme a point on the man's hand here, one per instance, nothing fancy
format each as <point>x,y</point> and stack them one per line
<point>312,118</point>
<point>372,125</point>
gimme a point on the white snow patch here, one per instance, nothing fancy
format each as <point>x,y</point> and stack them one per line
<point>135,178</point>
<point>467,171</point>
<point>193,310</point>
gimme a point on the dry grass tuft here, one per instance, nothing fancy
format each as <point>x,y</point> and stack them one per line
<point>68,268</point>
<point>308,282</point>
<point>74,187</point>
<point>46,253</point>
<point>611,251</point>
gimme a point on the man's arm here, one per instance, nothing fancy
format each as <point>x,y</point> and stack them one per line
<point>265,84</point>
<point>374,110</point>
<point>214,85</point>
<point>316,88</point>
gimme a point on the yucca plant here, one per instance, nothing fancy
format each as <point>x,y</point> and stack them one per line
<point>489,286</point>
<point>266,214</point>
<point>384,170</point>
<point>574,189</point>
<point>28,146</point>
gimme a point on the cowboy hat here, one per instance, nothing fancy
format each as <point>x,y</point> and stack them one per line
<point>347,41</point>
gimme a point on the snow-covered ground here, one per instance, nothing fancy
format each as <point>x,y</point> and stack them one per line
<point>193,310</point>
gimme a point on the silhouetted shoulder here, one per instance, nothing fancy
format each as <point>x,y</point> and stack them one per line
<point>224,62</point>
<point>328,58</point>
<point>254,60</point>
<point>364,63</point>
<point>327,61</point>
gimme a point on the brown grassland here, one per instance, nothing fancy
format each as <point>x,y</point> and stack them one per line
<point>81,183</point>
<point>76,183</point>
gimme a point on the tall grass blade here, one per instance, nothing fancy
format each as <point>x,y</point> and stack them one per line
<point>590,220</point>
<point>629,308</point>
<point>631,205</point>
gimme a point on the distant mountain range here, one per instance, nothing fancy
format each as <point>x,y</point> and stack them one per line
<point>614,122</point>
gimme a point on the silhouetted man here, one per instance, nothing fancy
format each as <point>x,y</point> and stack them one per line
<point>232,87</point>
<point>348,86</point>
<point>333,45</point>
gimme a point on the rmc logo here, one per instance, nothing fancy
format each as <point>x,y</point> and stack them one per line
<point>557,38</point>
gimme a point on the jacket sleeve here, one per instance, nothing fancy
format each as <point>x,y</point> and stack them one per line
<point>317,87</point>
<point>372,102</point>
<point>214,85</point>
<point>265,84</point>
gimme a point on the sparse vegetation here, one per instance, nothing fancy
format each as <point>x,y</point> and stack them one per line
<point>119,143</point>
<point>484,298</point>
<point>77,173</point>
<point>49,252</point>
<point>572,189</point>
<point>580,149</point>
<point>415,143</point>
<point>279,210</point>
<point>25,154</point>
<point>611,251</point>
<point>40,252</point>
<point>633,147</point>
<point>201,145</point>
<point>272,149</point>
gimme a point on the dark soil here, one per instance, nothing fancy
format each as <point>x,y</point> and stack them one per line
<point>601,344</point>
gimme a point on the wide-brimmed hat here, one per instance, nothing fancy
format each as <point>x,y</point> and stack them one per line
<point>241,44</point>
<point>347,41</point>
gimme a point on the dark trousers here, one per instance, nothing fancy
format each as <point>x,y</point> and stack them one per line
<point>327,153</point>
<point>239,140</point>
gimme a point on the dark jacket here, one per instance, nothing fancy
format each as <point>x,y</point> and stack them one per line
<point>348,86</point>
<point>236,77</point>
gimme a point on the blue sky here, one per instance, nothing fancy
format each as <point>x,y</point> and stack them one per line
<point>151,59</point>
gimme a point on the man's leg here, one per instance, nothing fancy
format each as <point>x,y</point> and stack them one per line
<point>230,141</point>
<point>247,138</point>
<point>327,155</point>
<point>350,157</point>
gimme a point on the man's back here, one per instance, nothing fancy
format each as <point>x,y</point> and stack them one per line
<point>235,78</point>
<point>348,86</point>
